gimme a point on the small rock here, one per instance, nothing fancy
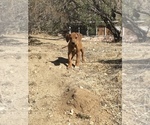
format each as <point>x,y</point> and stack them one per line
<point>39,57</point>
<point>71,112</point>
<point>91,123</point>
<point>18,57</point>
<point>76,67</point>
<point>83,116</point>
<point>80,87</point>
<point>50,115</point>
<point>2,108</point>
<point>29,108</point>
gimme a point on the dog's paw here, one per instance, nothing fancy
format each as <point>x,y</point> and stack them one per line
<point>69,67</point>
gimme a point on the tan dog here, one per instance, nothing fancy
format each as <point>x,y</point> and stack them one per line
<point>74,48</point>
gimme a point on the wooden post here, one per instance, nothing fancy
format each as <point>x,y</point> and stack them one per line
<point>87,31</point>
<point>69,29</point>
<point>96,31</point>
<point>105,32</point>
<point>79,29</point>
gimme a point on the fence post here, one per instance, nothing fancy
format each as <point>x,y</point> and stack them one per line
<point>79,29</point>
<point>87,31</point>
<point>69,29</point>
<point>96,31</point>
<point>105,32</point>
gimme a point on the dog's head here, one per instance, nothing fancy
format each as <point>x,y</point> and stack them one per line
<point>74,38</point>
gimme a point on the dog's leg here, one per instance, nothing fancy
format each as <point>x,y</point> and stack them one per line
<point>69,59</point>
<point>82,52</point>
<point>77,58</point>
<point>73,54</point>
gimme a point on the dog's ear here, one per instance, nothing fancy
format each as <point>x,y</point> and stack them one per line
<point>67,37</point>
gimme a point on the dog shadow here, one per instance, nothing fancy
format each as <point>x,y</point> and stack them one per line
<point>59,61</point>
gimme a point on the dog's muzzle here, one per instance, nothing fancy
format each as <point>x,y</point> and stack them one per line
<point>73,43</point>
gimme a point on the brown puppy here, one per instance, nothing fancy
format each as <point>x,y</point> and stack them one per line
<point>74,48</point>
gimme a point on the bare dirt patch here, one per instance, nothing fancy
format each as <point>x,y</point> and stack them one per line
<point>80,103</point>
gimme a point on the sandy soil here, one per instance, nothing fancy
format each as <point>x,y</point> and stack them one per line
<point>88,95</point>
<point>102,91</point>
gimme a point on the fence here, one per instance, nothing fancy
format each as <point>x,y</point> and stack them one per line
<point>91,30</point>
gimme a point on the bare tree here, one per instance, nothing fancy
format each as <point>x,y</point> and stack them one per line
<point>134,11</point>
<point>47,15</point>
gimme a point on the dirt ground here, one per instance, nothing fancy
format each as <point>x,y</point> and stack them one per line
<point>88,95</point>
<point>102,91</point>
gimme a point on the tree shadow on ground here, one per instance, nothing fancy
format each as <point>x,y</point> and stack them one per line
<point>10,42</point>
<point>138,63</point>
<point>59,61</point>
<point>34,42</point>
<point>45,38</point>
<point>116,63</point>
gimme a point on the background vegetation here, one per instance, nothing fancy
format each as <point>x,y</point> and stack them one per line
<point>55,16</point>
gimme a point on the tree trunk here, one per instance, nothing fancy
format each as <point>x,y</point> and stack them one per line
<point>141,34</point>
<point>113,29</point>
